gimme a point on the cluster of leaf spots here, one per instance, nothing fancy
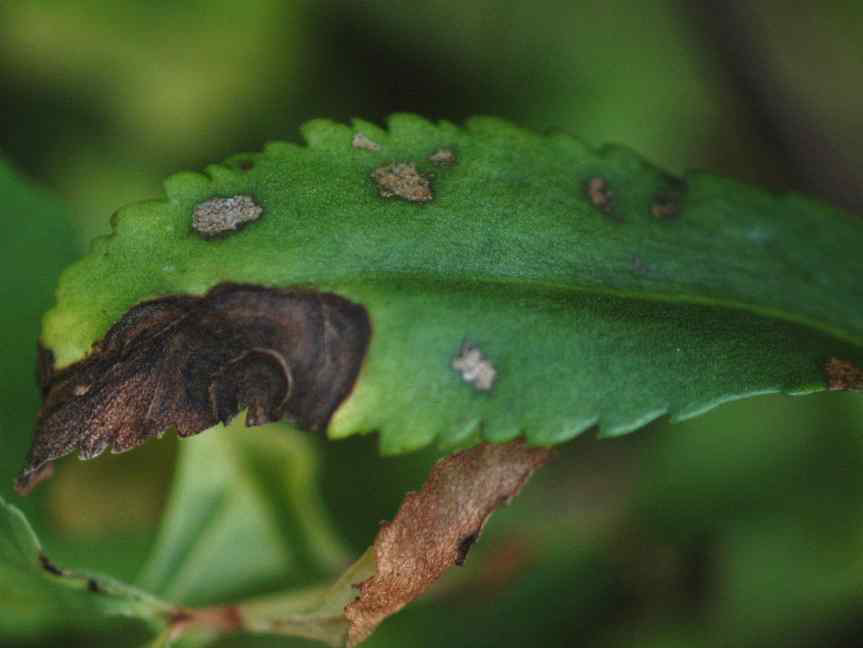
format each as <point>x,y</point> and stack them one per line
<point>692,292</point>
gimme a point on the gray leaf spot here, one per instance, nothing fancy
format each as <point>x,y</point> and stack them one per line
<point>361,141</point>
<point>474,367</point>
<point>443,157</point>
<point>220,215</point>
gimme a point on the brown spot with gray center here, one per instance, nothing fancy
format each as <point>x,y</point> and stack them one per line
<point>361,141</point>
<point>221,215</point>
<point>600,196</point>
<point>402,180</point>
<point>188,363</point>
<point>843,375</point>
<point>443,157</point>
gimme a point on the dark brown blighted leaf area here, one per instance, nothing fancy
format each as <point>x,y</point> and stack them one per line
<point>435,528</point>
<point>843,375</point>
<point>189,362</point>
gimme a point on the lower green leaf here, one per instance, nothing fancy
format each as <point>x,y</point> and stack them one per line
<point>40,597</point>
<point>245,516</point>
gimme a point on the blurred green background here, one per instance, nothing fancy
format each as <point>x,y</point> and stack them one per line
<point>740,528</point>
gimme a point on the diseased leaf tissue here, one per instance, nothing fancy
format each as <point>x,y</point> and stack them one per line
<point>435,283</point>
<point>593,288</point>
<point>191,362</point>
<point>436,527</point>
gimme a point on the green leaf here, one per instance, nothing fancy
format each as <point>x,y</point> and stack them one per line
<point>314,613</point>
<point>39,596</point>
<point>36,243</point>
<point>516,284</point>
<point>245,516</point>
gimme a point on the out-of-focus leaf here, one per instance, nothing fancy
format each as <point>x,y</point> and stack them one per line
<point>516,284</point>
<point>245,516</point>
<point>36,242</point>
<point>126,92</point>
<point>666,105</point>
<point>316,613</point>
<point>169,78</point>
<point>38,596</point>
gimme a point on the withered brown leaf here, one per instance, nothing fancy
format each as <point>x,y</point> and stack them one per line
<point>189,362</point>
<point>435,528</point>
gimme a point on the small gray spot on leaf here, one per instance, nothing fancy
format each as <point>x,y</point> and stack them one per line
<point>361,141</point>
<point>220,215</point>
<point>474,368</point>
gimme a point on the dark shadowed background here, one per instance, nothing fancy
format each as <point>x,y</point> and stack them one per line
<point>740,528</point>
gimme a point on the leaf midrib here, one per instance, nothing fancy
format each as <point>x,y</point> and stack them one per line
<point>383,278</point>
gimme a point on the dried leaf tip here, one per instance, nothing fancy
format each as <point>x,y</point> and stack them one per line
<point>843,375</point>
<point>31,478</point>
<point>219,215</point>
<point>435,528</point>
<point>189,362</point>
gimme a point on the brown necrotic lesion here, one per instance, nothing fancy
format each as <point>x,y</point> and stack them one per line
<point>188,363</point>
